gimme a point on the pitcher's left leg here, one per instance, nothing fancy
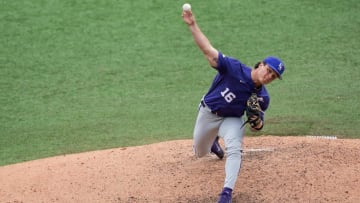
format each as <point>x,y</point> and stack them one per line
<point>233,136</point>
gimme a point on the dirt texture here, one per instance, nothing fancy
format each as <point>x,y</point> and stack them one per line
<point>274,169</point>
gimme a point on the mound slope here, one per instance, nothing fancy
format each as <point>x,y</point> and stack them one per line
<point>274,169</point>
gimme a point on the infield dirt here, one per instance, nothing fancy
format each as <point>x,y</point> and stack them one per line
<point>274,169</point>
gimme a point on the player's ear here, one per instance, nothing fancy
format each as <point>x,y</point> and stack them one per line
<point>262,64</point>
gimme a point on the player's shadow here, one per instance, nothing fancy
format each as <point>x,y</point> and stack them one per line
<point>248,198</point>
<point>237,198</point>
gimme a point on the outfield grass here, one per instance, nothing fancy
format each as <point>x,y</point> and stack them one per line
<point>85,75</point>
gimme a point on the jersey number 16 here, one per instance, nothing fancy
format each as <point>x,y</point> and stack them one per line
<point>228,96</point>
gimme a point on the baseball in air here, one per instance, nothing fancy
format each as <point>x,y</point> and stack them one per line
<point>186,7</point>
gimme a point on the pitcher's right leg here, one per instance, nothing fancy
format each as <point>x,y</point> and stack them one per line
<point>233,137</point>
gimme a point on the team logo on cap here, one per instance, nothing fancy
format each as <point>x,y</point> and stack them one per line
<point>281,66</point>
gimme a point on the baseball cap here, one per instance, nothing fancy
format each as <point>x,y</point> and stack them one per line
<point>276,64</point>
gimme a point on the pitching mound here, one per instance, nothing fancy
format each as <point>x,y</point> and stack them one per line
<point>274,169</point>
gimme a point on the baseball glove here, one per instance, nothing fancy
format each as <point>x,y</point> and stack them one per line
<point>253,111</point>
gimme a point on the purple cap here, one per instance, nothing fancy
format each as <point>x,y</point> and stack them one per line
<point>276,64</point>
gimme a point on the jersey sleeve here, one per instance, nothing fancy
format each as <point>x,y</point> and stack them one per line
<point>264,106</point>
<point>226,64</point>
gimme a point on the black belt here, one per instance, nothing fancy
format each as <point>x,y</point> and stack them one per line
<point>203,104</point>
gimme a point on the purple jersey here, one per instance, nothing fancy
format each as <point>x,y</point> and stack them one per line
<point>232,87</point>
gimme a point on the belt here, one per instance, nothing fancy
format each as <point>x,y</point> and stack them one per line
<point>203,104</point>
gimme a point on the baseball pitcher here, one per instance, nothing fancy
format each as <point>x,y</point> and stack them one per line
<point>237,94</point>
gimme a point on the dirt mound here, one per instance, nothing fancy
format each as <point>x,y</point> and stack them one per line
<point>274,169</point>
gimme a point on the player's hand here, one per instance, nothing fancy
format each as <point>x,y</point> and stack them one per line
<point>253,112</point>
<point>188,17</point>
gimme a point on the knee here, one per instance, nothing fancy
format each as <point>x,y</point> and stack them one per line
<point>233,152</point>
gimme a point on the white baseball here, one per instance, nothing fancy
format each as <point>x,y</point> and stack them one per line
<point>186,7</point>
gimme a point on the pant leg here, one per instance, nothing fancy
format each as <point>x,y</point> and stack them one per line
<point>233,136</point>
<point>205,131</point>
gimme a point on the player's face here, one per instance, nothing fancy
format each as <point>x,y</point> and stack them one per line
<point>267,75</point>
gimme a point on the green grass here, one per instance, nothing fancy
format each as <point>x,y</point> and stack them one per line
<point>85,75</point>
